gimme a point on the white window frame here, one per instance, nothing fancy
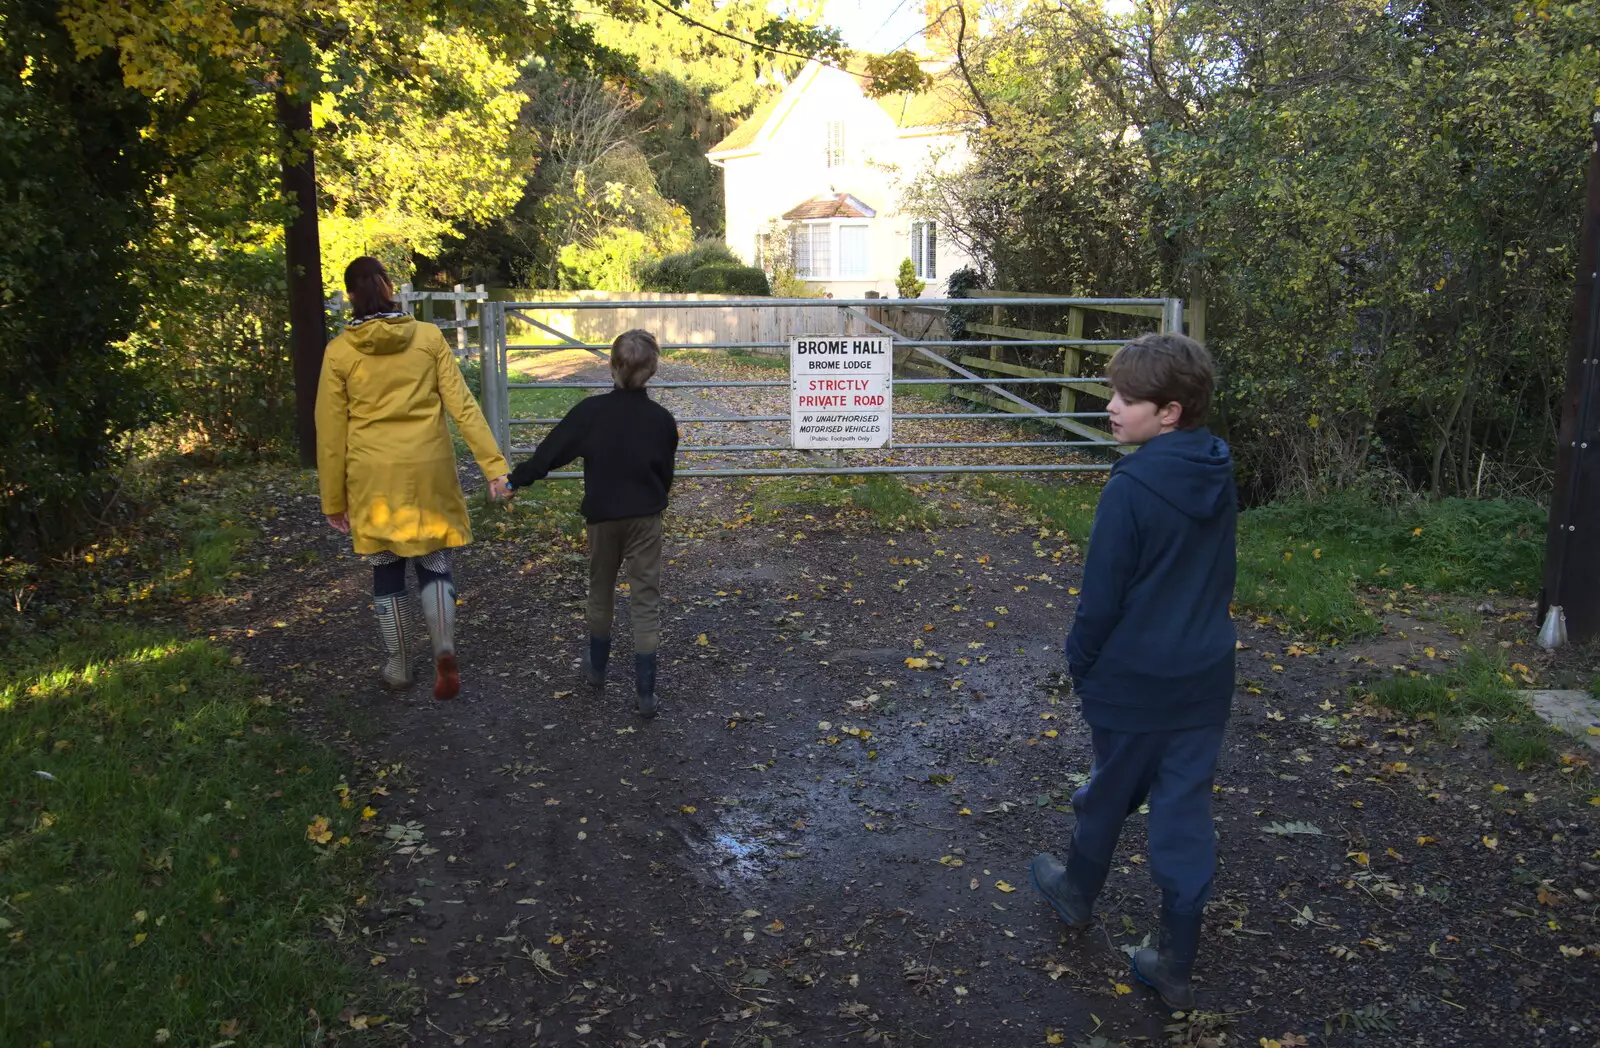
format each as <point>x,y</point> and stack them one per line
<point>833,143</point>
<point>865,272</point>
<point>802,249</point>
<point>925,248</point>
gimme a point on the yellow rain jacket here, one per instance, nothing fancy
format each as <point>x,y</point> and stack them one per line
<point>384,455</point>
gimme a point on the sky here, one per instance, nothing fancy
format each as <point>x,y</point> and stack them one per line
<point>875,25</point>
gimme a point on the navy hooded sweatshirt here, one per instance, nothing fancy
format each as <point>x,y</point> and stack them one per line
<point>1152,644</point>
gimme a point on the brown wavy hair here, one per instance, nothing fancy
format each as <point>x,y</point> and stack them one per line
<point>369,287</point>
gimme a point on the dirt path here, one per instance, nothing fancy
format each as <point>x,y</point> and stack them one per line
<point>816,844</point>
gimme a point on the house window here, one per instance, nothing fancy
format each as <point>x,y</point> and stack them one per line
<point>812,248</point>
<point>833,143</point>
<point>925,249</point>
<point>855,261</point>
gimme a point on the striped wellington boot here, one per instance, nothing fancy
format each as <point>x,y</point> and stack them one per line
<point>396,626</point>
<point>439,610</point>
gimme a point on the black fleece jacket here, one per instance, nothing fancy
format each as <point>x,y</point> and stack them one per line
<point>627,442</point>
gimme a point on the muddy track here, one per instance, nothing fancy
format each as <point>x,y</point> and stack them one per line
<point>818,844</point>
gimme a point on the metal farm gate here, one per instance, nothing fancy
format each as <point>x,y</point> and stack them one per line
<point>765,325</point>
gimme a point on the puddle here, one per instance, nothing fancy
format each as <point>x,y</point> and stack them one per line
<point>743,846</point>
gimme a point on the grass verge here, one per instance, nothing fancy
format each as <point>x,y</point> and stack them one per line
<point>158,882</point>
<point>1477,692</point>
<point>885,499</point>
<point>1310,564</point>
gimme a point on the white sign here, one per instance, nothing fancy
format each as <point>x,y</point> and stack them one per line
<point>841,391</point>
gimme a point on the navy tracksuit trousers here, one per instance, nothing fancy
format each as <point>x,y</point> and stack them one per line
<point>1174,771</point>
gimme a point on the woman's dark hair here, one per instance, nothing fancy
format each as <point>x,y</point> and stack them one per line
<point>367,283</point>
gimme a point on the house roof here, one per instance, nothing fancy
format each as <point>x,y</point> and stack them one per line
<point>909,109</point>
<point>931,108</point>
<point>745,134</point>
<point>838,205</point>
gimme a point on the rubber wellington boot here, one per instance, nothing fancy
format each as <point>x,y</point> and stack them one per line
<point>594,661</point>
<point>644,670</point>
<point>439,610</point>
<point>1166,970</point>
<point>396,628</point>
<point>1070,889</point>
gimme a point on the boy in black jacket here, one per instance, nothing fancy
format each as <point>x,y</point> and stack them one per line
<point>627,442</point>
<point>1151,651</point>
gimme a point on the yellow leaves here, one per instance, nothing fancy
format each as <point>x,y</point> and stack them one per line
<point>1492,843</point>
<point>1361,858</point>
<point>377,959</point>
<point>1051,733</point>
<point>916,662</point>
<point>138,940</point>
<point>1571,951</point>
<point>466,980</point>
<point>319,831</point>
<point>1498,788</point>
<point>1288,1040</point>
<point>1004,886</point>
<point>1425,841</point>
<point>1313,421</point>
<point>964,811</point>
<point>1415,532</point>
<point>951,861</point>
<point>368,813</point>
<point>702,640</point>
<point>1120,989</point>
<point>1054,1037</point>
<point>687,809</point>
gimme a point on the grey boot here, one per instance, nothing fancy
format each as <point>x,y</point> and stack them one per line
<point>396,627</point>
<point>1166,969</point>
<point>439,609</point>
<point>594,661</point>
<point>1070,889</point>
<point>645,701</point>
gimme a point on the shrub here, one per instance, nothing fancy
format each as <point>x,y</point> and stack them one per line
<point>906,282</point>
<point>218,330</point>
<point>672,273</point>
<point>76,175</point>
<point>729,279</point>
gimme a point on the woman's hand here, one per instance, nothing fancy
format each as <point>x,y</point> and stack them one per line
<point>500,487</point>
<point>340,522</point>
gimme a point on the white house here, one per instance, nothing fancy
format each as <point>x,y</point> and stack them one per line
<point>826,167</point>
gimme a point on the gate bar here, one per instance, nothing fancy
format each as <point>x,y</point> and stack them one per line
<point>530,347</point>
<point>769,384</point>
<point>827,303</point>
<point>991,416</point>
<point>828,471</point>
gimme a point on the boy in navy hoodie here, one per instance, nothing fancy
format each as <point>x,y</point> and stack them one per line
<point>1151,652</point>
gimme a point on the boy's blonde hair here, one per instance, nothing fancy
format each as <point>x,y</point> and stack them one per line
<point>633,358</point>
<point>1164,369</point>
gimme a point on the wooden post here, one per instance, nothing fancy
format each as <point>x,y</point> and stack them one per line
<point>461,320</point>
<point>1196,317</point>
<point>1072,360</point>
<point>1572,542</point>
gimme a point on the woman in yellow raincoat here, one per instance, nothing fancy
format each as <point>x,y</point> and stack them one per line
<point>387,467</point>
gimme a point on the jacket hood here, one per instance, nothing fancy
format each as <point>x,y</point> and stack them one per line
<point>1190,469</point>
<point>382,336</point>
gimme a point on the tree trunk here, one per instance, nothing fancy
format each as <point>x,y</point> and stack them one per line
<point>308,323</point>
<point>1572,551</point>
